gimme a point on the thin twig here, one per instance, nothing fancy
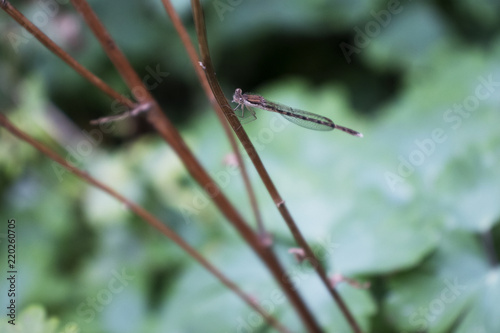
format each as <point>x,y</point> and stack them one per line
<point>170,134</point>
<point>193,57</point>
<point>49,44</point>
<point>199,20</point>
<point>252,153</point>
<point>132,113</point>
<point>145,215</point>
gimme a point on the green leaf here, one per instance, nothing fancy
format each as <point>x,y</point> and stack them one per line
<point>391,241</point>
<point>437,294</point>
<point>483,312</point>
<point>33,319</point>
<point>199,295</point>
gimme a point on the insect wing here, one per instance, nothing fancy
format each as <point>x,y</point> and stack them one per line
<point>306,119</point>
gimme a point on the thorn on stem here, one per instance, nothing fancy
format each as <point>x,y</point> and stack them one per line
<point>266,240</point>
<point>298,253</point>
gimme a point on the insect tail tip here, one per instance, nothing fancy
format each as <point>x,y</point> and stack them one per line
<point>350,131</point>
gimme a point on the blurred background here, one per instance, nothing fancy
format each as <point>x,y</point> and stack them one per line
<point>413,207</point>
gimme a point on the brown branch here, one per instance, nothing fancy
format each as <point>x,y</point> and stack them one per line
<point>169,133</point>
<point>131,113</point>
<point>252,153</point>
<point>193,57</point>
<point>303,311</point>
<point>146,216</point>
<point>49,44</point>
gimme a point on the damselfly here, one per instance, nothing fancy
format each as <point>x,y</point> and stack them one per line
<point>296,116</point>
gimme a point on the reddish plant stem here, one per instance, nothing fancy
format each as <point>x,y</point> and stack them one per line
<point>195,61</point>
<point>170,134</point>
<point>146,216</point>
<point>49,44</point>
<point>259,166</point>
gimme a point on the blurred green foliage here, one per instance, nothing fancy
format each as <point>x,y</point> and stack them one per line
<point>413,207</point>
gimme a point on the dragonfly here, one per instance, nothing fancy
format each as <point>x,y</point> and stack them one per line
<point>299,117</point>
